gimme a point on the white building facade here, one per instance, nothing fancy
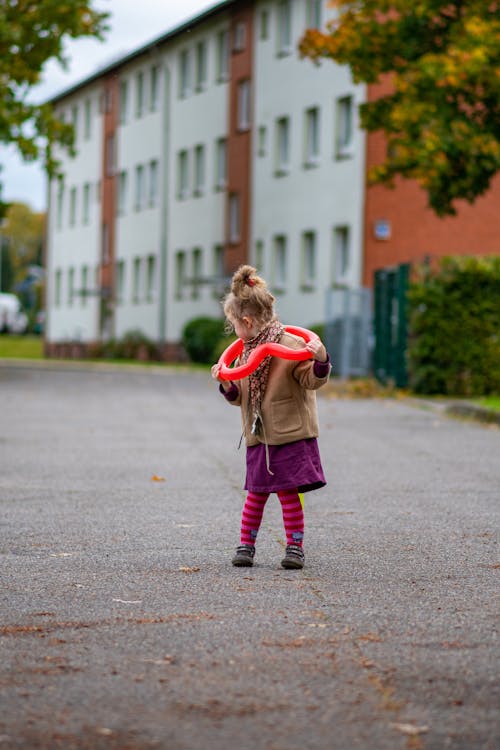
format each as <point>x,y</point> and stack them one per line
<point>198,152</point>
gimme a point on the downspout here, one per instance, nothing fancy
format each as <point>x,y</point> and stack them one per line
<point>163,307</point>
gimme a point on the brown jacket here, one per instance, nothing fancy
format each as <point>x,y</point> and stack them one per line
<point>288,409</point>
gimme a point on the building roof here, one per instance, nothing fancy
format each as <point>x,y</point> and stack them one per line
<point>119,62</point>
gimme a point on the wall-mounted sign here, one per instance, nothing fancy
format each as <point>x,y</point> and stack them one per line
<point>382,229</point>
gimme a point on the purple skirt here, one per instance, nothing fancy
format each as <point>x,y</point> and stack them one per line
<point>293,465</point>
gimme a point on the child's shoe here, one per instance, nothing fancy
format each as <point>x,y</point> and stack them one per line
<point>244,556</point>
<point>294,557</point>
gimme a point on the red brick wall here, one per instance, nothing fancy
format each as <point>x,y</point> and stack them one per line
<point>417,232</point>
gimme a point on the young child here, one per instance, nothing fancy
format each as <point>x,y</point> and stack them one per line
<point>279,416</point>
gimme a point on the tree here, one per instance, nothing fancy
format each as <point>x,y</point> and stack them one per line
<point>441,112</point>
<point>22,234</point>
<point>31,33</point>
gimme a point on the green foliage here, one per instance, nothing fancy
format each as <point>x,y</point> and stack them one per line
<point>454,324</point>
<point>132,345</point>
<point>441,64</point>
<point>201,337</point>
<point>31,33</point>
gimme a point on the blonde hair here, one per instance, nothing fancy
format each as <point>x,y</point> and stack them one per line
<point>249,296</point>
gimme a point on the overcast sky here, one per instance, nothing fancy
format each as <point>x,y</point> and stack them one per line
<point>132,23</point>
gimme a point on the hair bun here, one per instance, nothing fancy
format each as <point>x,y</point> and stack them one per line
<point>244,279</point>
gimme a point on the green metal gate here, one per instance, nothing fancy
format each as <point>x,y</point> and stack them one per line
<point>390,323</point>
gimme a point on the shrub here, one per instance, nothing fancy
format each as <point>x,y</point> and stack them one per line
<point>201,337</point>
<point>454,328</point>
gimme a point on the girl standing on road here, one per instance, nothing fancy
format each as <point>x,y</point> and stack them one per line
<point>279,416</point>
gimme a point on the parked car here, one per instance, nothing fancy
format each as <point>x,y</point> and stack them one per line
<point>12,317</point>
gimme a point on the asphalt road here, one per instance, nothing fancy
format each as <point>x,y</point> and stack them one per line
<point>125,627</point>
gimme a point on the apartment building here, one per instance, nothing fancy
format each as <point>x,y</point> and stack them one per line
<point>211,146</point>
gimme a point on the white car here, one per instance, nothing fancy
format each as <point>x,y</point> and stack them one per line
<point>12,317</point>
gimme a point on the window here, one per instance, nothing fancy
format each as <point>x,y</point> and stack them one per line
<point>86,203</point>
<point>71,286</point>
<point>84,286</point>
<point>180,273</point>
<point>201,66</point>
<point>123,102</point>
<point>87,119</point>
<point>282,146</point>
<point>197,273</point>
<point>139,94</point>
<point>341,254</point>
<point>264,25</point>
<point>234,218</point>
<point>136,280</point>
<point>312,144</point>
<point>120,281</point>
<point>182,175</point>
<point>74,120</point>
<point>239,37</point>
<point>110,155</point>
<point>139,187</point>
<point>221,164</point>
<point>58,288</point>
<point>150,278</point>
<point>153,183</point>
<point>313,14</point>
<point>60,204</point>
<point>105,244</point>
<point>344,127</point>
<point>184,74</point>
<point>108,100</point>
<point>280,263</point>
<point>154,88</point>
<point>284,27</point>
<point>244,105</point>
<point>222,60</point>
<point>199,170</point>
<point>308,260</point>
<point>259,255</point>
<point>218,262</point>
<point>72,207</point>
<point>262,141</point>
<point>122,193</point>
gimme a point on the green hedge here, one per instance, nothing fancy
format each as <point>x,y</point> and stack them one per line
<point>454,328</point>
<point>201,337</point>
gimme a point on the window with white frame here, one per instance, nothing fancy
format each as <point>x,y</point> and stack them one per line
<point>197,272</point>
<point>314,14</point>
<point>180,273</point>
<point>74,121</point>
<point>184,73</point>
<point>341,254</point>
<point>199,169</point>
<point>150,278</point>
<point>244,105</point>
<point>312,137</point>
<point>136,280</point>
<point>182,175</point>
<point>259,256</point>
<point>309,260</point>
<point>284,27</point>
<point>60,204</point>
<point>110,155</point>
<point>344,139</point>
<point>239,38</point>
<point>105,240</point>
<point>201,66</point>
<point>222,56</point>
<point>120,282</point>
<point>218,262</point>
<point>140,187</point>
<point>280,263</point>
<point>139,94</point>
<point>264,25</point>
<point>72,207</point>
<point>87,119</point>
<point>123,116</point>
<point>84,285</point>
<point>262,140</point>
<point>282,146</point>
<point>58,288</point>
<point>234,219</point>
<point>122,193</point>
<point>86,203</point>
<point>154,88</point>
<point>221,164</point>
<point>153,183</point>
<point>71,286</point>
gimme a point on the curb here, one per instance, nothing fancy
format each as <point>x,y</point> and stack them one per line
<point>461,409</point>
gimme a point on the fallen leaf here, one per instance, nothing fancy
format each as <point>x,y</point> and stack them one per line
<point>410,729</point>
<point>186,569</point>
<point>128,601</point>
<point>156,478</point>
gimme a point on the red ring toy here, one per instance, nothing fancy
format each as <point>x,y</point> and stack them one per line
<point>260,352</point>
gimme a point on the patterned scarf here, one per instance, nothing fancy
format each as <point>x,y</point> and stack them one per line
<point>257,380</point>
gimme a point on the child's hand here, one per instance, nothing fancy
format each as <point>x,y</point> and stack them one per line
<point>216,372</point>
<point>317,349</point>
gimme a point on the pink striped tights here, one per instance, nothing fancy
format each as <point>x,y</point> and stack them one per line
<point>293,516</point>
